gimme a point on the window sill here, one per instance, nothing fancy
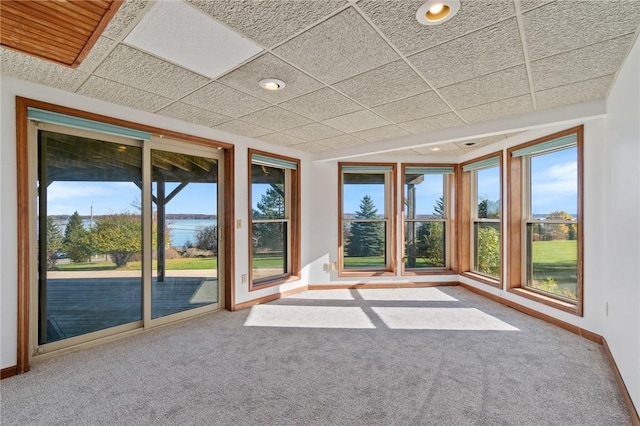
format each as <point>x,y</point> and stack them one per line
<point>428,271</point>
<point>546,300</point>
<point>365,273</point>
<point>482,279</point>
<point>273,282</point>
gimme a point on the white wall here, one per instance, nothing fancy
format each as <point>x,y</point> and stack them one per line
<point>621,254</point>
<point>11,88</point>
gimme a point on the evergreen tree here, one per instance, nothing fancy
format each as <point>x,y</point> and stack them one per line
<point>54,242</point>
<point>271,206</point>
<point>367,238</point>
<point>76,239</point>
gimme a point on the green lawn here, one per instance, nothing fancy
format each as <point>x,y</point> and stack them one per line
<point>556,260</point>
<point>264,262</point>
<point>180,264</point>
<point>364,262</point>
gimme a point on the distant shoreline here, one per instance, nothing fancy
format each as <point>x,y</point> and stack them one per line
<point>168,216</point>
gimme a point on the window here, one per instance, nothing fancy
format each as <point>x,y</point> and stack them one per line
<point>545,209</point>
<point>427,214</point>
<point>367,230</point>
<point>481,187</point>
<point>274,245</point>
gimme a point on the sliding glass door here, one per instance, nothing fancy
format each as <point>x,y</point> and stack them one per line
<point>127,234</point>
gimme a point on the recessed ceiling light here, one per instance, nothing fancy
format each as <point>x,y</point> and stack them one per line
<point>435,12</point>
<point>272,84</point>
<point>435,148</point>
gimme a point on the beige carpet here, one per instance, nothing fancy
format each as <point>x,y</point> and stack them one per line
<point>441,356</point>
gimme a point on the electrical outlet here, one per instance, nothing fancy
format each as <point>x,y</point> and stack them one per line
<point>239,223</point>
<point>244,278</point>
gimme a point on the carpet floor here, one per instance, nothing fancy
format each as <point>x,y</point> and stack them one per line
<point>437,356</point>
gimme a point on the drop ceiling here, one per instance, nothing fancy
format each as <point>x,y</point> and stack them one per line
<point>356,72</point>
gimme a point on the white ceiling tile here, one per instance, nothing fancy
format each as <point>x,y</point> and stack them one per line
<point>356,121</point>
<point>240,127</point>
<point>276,118</point>
<point>382,133</point>
<point>322,104</point>
<point>502,108</point>
<point>429,124</point>
<point>581,64</point>
<point>224,100</point>
<point>526,5</point>
<point>246,78</point>
<point>582,91</point>
<point>312,147</point>
<point>344,141</point>
<point>135,68</point>
<point>37,70</point>
<point>268,22</point>
<point>193,114</point>
<point>313,132</point>
<point>110,91</point>
<point>338,48</point>
<point>126,15</point>
<point>566,25</point>
<point>471,144</point>
<point>397,20</point>
<point>170,28</point>
<point>504,84</point>
<point>98,52</point>
<point>418,106</point>
<point>281,139</point>
<point>485,51</point>
<point>448,148</point>
<point>384,84</point>
<point>405,152</point>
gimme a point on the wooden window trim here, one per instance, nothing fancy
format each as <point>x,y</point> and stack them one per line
<point>514,227</point>
<point>23,206</point>
<point>294,220</point>
<point>464,223</point>
<point>393,211</point>
<point>451,222</point>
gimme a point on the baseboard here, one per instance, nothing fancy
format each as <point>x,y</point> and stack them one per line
<point>269,298</point>
<point>633,413</point>
<point>381,285</point>
<point>534,313</point>
<point>5,373</point>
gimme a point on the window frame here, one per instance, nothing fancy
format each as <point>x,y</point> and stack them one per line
<point>468,191</point>
<point>449,192</point>
<point>291,218</point>
<point>390,220</point>
<point>518,216</point>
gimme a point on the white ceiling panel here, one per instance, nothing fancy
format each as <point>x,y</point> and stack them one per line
<point>575,93</point>
<point>224,100</point>
<point>356,121</point>
<point>184,35</point>
<point>502,108</point>
<point>384,84</point>
<point>246,78</point>
<point>313,132</point>
<point>483,52</point>
<point>243,128</point>
<point>414,107</point>
<point>338,48</point>
<point>564,25</point>
<point>196,115</point>
<point>322,104</point>
<point>379,134</point>
<point>277,119</point>
<point>430,124</point>
<point>110,91</point>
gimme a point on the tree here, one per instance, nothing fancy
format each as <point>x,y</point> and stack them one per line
<point>207,238</point>
<point>119,235</point>
<point>367,238</point>
<point>488,209</point>
<point>431,243</point>
<point>77,241</point>
<point>270,236</point>
<point>54,242</point>
<point>488,250</point>
<point>560,231</point>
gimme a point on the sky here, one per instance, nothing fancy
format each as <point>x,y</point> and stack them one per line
<point>553,188</point>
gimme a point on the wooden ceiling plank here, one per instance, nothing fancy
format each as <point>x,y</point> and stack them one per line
<point>52,53</point>
<point>102,25</point>
<point>67,10</point>
<point>95,6</point>
<point>47,14</point>
<point>19,28</point>
<point>36,18</point>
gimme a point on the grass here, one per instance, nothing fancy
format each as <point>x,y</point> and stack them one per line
<point>556,260</point>
<point>264,262</point>
<point>180,264</point>
<point>364,262</point>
